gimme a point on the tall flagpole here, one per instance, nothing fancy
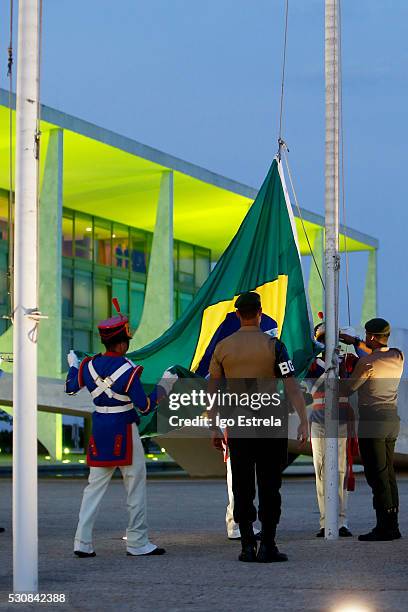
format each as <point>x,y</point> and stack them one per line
<point>331,267</point>
<point>25,528</point>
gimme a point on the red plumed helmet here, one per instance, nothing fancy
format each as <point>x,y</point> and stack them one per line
<point>118,324</point>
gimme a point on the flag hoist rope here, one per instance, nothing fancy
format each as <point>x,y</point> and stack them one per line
<point>283,75</point>
<point>10,236</point>
<point>284,149</point>
<point>282,146</point>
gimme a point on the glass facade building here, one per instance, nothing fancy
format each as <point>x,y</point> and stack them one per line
<point>4,247</point>
<point>102,259</point>
<point>115,190</point>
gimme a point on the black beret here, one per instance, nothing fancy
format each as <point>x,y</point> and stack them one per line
<point>248,301</point>
<point>378,326</point>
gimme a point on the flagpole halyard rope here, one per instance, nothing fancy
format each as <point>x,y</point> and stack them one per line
<point>282,146</point>
<point>284,149</point>
<point>11,198</point>
<point>280,141</point>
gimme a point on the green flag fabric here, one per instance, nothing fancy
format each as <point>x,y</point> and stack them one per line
<point>263,256</point>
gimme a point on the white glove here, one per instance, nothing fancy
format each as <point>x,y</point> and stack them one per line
<point>73,360</point>
<point>167,381</point>
<point>349,331</point>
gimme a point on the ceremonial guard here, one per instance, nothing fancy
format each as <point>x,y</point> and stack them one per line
<point>117,393</point>
<point>316,377</point>
<point>376,379</point>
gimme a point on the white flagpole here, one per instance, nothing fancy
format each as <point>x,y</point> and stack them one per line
<point>25,527</point>
<point>331,267</point>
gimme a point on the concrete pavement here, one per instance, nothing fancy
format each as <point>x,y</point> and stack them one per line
<point>200,572</point>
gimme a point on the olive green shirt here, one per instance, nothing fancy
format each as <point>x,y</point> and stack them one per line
<point>376,378</point>
<point>247,353</point>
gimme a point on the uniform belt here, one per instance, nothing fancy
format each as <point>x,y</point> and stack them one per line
<point>113,409</point>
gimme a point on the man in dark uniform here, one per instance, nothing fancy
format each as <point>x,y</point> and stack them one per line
<point>248,355</point>
<point>376,379</point>
<point>114,384</point>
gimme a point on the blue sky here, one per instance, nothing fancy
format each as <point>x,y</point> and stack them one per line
<point>201,80</point>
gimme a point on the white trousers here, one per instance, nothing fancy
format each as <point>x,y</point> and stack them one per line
<point>134,479</point>
<point>232,527</point>
<point>318,449</point>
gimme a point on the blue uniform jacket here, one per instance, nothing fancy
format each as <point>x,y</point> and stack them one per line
<point>111,440</point>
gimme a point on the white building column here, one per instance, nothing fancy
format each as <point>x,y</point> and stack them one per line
<point>50,233</point>
<point>369,310</point>
<point>158,309</point>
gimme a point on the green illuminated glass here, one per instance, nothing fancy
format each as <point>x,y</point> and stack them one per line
<point>120,290</point>
<point>120,246</point>
<point>82,340</point>
<point>67,233</point>
<point>201,266</point>
<point>4,214</point>
<point>105,259</point>
<point>138,251</point>
<point>102,300</point>
<point>102,242</point>
<point>83,236</point>
<point>82,295</point>
<point>67,296</point>
<point>137,293</point>
<point>186,264</point>
<point>66,346</point>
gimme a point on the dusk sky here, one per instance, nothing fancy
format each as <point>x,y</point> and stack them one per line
<point>201,80</point>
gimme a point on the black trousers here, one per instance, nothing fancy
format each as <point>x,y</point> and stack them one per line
<point>265,459</point>
<point>377,455</point>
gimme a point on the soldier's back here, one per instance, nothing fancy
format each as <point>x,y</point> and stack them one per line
<point>248,353</point>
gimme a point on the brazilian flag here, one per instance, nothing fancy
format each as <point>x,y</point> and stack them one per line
<point>263,256</point>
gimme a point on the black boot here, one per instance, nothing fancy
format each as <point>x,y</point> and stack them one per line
<point>248,543</point>
<point>381,532</point>
<point>268,551</point>
<point>393,523</point>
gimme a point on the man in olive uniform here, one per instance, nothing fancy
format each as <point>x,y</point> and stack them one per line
<point>376,379</point>
<point>245,356</point>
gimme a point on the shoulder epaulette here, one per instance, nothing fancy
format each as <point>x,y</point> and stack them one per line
<point>137,371</point>
<point>81,367</point>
